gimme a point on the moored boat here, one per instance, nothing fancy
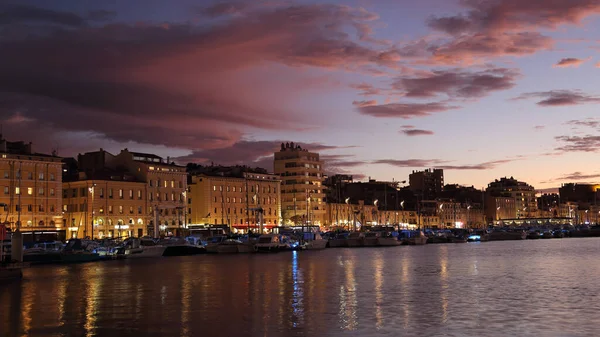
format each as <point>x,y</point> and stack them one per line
<point>370,239</point>
<point>135,248</point>
<point>355,239</point>
<point>387,239</point>
<point>314,241</point>
<point>270,243</point>
<point>338,240</point>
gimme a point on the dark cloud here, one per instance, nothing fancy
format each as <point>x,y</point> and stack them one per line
<point>570,62</point>
<point>417,132</point>
<point>178,85</point>
<point>441,164</point>
<point>458,83</point>
<point>588,143</point>
<point>404,110</point>
<point>247,152</point>
<point>15,14</point>
<point>560,97</point>
<point>578,176</point>
<point>224,8</point>
<point>366,89</point>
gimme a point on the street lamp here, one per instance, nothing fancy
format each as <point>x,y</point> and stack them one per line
<point>468,215</point>
<point>91,190</point>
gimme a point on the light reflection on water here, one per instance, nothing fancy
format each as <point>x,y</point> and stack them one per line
<point>521,288</point>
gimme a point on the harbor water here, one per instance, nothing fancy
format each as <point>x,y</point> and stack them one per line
<point>509,288</point>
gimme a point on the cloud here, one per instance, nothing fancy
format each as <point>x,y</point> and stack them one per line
<point>458,83</point>
<point>248,152</point>
<point>578,176</point>
<point>570,62</point>
<point>366,89</point>
<point>224,8</point>
<point>121,81</point>
<point>362,104</point>
<point>598,65</point>
<point>539,127</point>
<point>15,14</point>
<point>498,28</point>
<point>404,110</point>
<point>588,122</point>
<point>588,143</point>
<point>417,132</point>
<point>560,97</point>
<point>408,126</point>
<point>441,164</point>
<point>101,15</point>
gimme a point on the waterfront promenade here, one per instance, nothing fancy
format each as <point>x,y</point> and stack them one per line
<point>509,288</point>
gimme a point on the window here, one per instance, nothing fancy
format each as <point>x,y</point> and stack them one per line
<point>227,188</point>
<point>101,210</point>
<point>41,175</point>
<point>40,208</point>
<point>5,174</point>
<point>29,208</point>
<point>130,209</point>
<point>234,188</point>
<point>52,208</point>
<point>6,190</point>
<point>215,199</point>
<point>64,208</point>
<point>180,184</point>
<point>120,194</point>
<point>52,177</point>
<point>139,194</point>
<point>150,182</point>
<point>18,174</point>
<point>172,183</point>
<point>215,210</point>
<point>29,190</point>
<point>41,191</point>
<point>166,184</point>
<point>120,209</point>
<point>221,188</point>
<point>139,209</point>
<point>110,193</point>
<point>110,209</point>
<point>172,196</point>
<point>17,190</point>
<point>52,192</point>
<point>30,175</point>
<point>214,186</point>
<point>228,200</point>
<point>101,192</point>
<point>130,194</point>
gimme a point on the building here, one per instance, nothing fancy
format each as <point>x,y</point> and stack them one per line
<point>521,192</point>
<point>32,188</point>
<point>499,208</point>
<point>585,195</point>
<point>114,202</point>
<point>428,184</point>
<point>165,186</point>
<point>236,200</point>
<point>302,190</point>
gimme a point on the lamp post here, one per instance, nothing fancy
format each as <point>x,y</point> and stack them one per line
<point>91,190</point>
<point>468,215</point>
<point>347,210</point>
<point>376,210</point>
<point>402,205</point>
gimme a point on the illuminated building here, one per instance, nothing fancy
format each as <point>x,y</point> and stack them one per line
<point>32,181</point>
<point>302,190</point>
<point>114,202</point>
<point>224,200</point>
<point>165,183</point>
<point>525,202</point>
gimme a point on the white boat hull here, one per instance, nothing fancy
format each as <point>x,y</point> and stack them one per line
<point>316,245</point>
<point>388,242</point>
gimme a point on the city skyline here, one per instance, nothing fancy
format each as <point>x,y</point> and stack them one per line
<point>482,90</point>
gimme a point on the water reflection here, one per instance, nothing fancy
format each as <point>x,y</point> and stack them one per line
<point>504,288</point>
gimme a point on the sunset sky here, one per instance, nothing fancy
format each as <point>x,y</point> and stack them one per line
<point>482,89</point>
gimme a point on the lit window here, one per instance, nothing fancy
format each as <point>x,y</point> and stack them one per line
<point>29,190</point>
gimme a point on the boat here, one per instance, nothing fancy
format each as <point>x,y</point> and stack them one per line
<point>270,243</point>
<point>478,236</point>
<point>503,235</point>
<point>414,238</point>
<point>387,240</point>
<point>370,239</point>
<point>355,239</point>
<point>338,240</point>
<point>223,245</point>
<point>135,248</point>
<point>43,252</point>
<point>314,241</point>
<point>180,247</point>
<point>75,252</point>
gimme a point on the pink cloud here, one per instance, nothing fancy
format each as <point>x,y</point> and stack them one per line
<point>417,132</point>
<point>560,98</point>
<point>404,110</point>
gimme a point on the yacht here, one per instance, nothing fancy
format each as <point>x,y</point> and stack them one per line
<point>414,238</point>
<point>502,235</point>
<point>388,239</point>
<point>314,241</point>
<point>224,245</point>
<point>370,239</point>
<point>338,240</point>
<point>180,247</point>
<point>134,248</point>
<point>270,243</point>
<point>355,239</point>
<point>75,251</point>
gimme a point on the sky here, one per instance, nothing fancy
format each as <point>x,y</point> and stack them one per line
<point>483,89</point>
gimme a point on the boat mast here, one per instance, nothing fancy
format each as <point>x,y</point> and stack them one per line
<point>19,197</point>
<point>247,207</point>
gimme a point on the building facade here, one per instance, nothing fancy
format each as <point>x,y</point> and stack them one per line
<point>302,189</point>
<point>31,188</point>
<point>236,202</point>
<point>522,193</point>
<point>112,206</point>
<point>428,184</point>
